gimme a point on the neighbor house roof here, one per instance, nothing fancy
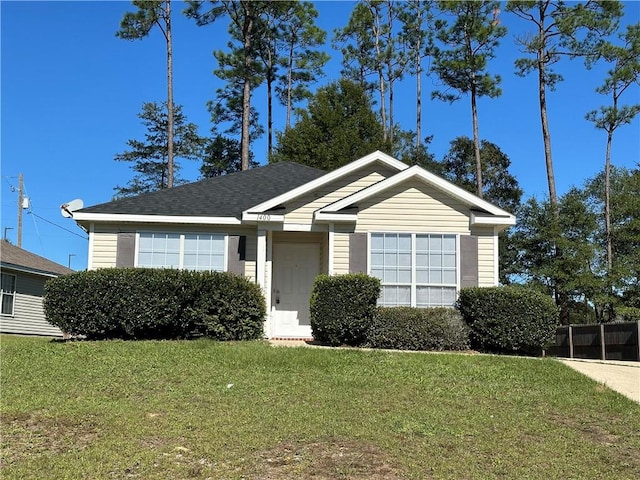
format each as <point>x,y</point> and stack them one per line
<point>18,259</point>
<point>225,196</point>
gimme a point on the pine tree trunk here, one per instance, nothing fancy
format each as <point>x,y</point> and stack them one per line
<point>246,91</point>
<point>546,136</point>
<point>383,111</point>
<point>474,116</point>
<point>289,87</point>
<point>476,143</point>
<point>607,202</point>
<point>269,113</point>
<point>419,85</point>
<point>169,95</point>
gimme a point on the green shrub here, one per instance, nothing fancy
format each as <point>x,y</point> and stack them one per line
<point>628,314</point>
<point>407,328</point>
<point>132,303</point>
<point>342,308</point>
<point>508,319</point>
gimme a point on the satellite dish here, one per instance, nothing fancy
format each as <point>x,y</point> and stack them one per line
<point>67,209</point>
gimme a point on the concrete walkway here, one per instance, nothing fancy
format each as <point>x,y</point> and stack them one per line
<point>623,377</point>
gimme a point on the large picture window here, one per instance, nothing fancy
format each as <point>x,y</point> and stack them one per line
<point>417,270</point>
<point>8,293</point>
<point>198,251</point>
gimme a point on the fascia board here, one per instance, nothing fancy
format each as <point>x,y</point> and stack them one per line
<point>329,177</point>
<point>261,217</point>
<point>335,217</point>
<point>129,218</point>
<point>8,267</point>
<point>427,177</point>
<point>478,219</point>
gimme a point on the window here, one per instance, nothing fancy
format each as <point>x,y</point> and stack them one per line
<point>417,270</point>
<point>199,251</point>
<point>8,293</point>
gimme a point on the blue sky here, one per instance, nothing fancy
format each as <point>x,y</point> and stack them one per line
<point>71,91</point>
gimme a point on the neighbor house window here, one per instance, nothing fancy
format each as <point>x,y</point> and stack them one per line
<point>418,270</point>
<point>8,293</point>
<point>199,251</point>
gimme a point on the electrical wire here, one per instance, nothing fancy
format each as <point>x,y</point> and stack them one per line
<point>56,225</point>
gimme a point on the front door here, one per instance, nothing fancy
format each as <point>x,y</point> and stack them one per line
<point>295,267</point>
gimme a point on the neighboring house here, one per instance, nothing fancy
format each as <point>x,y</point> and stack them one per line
<point>282,224</point>
<point>23,277</point>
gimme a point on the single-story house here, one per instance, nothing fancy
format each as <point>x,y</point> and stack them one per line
<point>23,277</point>
<point>282,224</point>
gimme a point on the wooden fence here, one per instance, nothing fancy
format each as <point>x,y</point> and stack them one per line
<point>605,341</point>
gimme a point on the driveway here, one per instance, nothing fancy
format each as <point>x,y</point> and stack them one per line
<point>623,377</point>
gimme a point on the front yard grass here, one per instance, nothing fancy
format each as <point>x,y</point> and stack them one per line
<point>201,409</point>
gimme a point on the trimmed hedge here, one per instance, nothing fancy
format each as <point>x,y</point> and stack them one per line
<point>342,308</point>
<point>132,303</point>
<point>407,328</point>
<point>508,319</point>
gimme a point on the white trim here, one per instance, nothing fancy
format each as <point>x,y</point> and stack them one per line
<point>261,259</point>
<point>330,251</point>
<point>329,177</point>
<point>427,177</point>
<point>483,219</point>
<point>496,258</point>
<point>22,269</point>
<point>91,247</point>
<point>319,216</point>
<point>128,218</point>
<point>297,227</point>
<point>262,217</point>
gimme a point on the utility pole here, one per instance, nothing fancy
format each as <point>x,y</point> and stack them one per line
<point>20,201</point>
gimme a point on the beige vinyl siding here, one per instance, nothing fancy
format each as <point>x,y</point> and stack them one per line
<point>28,313</point>
<point>486,257</point>
<point>413,207</point>
<point>301,210</point>
<point>251,252</point>
<point>341,249</point>
<point>105,241</point>
<point>105,246</point>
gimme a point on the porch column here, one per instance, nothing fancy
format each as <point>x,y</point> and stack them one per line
<point>330,249</point>
<point>261,260</point>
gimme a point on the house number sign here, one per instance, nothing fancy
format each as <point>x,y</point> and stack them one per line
<point>264,217</point>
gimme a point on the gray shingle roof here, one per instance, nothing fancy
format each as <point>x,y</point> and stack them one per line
<point>15,257</point>
<point>225,196</point>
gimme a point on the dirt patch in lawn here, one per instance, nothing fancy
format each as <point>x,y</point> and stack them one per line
<point>621,447</point>
<point>328,459</point>
<point>29,435</point>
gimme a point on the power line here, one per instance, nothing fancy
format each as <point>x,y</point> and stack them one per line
<point>56,225</point>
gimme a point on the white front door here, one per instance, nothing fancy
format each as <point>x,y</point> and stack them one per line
<point>295,267</point>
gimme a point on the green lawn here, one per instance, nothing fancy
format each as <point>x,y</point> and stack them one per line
<point>200,409</point>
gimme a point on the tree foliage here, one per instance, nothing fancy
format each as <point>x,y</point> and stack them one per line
<point>337,128</point>
<point>222,155</point>
<point>149,158</point>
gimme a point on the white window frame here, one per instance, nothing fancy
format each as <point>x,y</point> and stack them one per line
<point>414,285</point>
<point>181,252</point>
<point>12,294</point>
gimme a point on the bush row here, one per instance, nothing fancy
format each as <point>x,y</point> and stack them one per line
<point>498,319</point>
<point>132,303</point>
